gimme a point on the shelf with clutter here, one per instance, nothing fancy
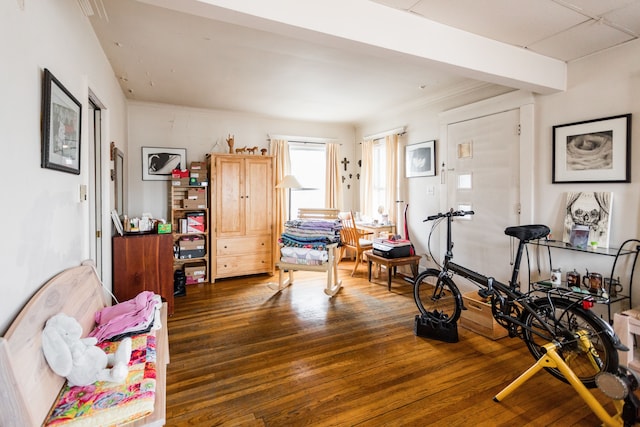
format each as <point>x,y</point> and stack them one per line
<point>592,286</point>
<point>189,209</point>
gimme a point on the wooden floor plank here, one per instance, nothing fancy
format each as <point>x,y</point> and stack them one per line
<point>243,355</point>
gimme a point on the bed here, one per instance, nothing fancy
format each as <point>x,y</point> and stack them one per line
<point>28,387</point>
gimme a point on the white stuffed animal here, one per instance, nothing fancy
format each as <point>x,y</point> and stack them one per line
<point>79,359</point>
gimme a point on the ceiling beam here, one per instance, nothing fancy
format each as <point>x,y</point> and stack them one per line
<point>386,32</point>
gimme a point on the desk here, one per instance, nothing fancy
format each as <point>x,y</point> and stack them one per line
<point>376,229</point>
<point>391,264</point>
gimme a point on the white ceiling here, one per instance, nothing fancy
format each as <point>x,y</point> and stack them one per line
<point>212,54</point>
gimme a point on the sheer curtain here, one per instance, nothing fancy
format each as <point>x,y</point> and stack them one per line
<point>366,179</point>
<point>390,182</point>
<point>279,148</point>
<point>391,145</point>
<point>333,185</point>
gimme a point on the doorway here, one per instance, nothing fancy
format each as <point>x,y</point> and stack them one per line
<point>95,183</point>
<point>483,175</point>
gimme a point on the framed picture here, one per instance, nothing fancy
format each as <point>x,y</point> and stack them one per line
<point>591,210</point>
<point>61,121</point>
<point>593,151</point>
<point>157,163</point>
<point>420,159</point>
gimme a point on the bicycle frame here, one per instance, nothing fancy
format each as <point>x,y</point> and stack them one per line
<point>492,284</point>
<point>510,291</point>
<point>627,407</point>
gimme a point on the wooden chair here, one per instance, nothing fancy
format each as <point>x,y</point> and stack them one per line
<point>353,238</point>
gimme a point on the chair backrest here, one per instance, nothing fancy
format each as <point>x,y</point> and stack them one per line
<point>349,234</point>
<point>318,213</point>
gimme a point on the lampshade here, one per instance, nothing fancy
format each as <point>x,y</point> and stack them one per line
<point>289,181</point>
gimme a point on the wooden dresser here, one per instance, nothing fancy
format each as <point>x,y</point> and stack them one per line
<point>143,263</point>
<point>242,215</point>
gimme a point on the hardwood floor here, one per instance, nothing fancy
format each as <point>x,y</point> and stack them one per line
<point>243,355</point>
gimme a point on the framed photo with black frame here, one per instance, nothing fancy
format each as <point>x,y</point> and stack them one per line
<point>593,151</point>
<point>420,159</point>
<point>157,162</point>
<point>61,123</point>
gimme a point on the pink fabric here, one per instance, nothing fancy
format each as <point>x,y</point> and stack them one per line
<point>127,316</point>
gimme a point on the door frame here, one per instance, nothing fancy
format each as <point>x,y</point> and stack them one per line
<point>522,100</point>
<point>96,183</point>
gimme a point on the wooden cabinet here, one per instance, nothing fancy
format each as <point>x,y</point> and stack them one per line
<point>242,210</point>
<point>188,203</point>
<point>143,263</point>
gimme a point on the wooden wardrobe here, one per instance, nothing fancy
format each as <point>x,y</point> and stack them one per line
<point>242,214</point>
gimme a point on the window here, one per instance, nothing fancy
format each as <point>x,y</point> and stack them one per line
<point>379,191</point>
<point>308,163</point>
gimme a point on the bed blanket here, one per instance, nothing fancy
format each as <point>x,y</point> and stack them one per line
<point>108,404</point>
<point>303,256</point>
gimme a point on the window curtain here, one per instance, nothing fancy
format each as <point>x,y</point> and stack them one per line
<point>279,148</point>
<point>391,179</point>
<point>366,179</point>
<point>333,185</point>
<point>391,184</point>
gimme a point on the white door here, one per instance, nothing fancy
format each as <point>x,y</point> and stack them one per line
<point>483,176</point>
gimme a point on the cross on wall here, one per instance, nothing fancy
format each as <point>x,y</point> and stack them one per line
<point>345,162</point>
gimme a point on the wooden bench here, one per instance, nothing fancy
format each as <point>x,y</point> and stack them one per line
<point>391,264</point>
<point>28,387</point>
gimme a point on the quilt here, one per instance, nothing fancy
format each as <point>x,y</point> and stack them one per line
<point>108,404</point>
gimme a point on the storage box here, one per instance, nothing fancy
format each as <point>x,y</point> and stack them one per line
<point>194,204</point>
<point>180,173</point>
<point>192,280</point>
<point>195,269</point>
<point>195,222</point>
<point>199,175</point>
<point>191,253</point>
<point>189,243</point>
<point>191,248</point>
<point>196,193</point>
<point>164,228</point>
<point>478,317</point>
<point>197,166</point>
<point>180,182</point>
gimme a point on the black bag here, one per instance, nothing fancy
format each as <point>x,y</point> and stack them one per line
<point>430,327</point>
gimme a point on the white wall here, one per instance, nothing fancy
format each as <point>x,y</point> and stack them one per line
<point>602,85</point>
<point>45,227</point>
<point>422,194</point>
<point>204,131</point>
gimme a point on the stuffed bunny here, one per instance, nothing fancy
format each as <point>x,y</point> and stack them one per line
<point>79,359</point>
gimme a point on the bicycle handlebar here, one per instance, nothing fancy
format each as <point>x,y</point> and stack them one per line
<point>449,214</point>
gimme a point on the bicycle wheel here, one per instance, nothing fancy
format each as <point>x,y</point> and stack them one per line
<point>437,297</point>
<point>569,321</point>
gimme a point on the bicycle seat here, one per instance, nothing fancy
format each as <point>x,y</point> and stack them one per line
<point>528,232</point>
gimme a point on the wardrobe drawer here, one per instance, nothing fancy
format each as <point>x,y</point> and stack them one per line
<point>243,245</point>
<point>230,266</point>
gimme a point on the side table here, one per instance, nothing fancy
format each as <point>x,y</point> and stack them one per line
<point>391,264</point>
